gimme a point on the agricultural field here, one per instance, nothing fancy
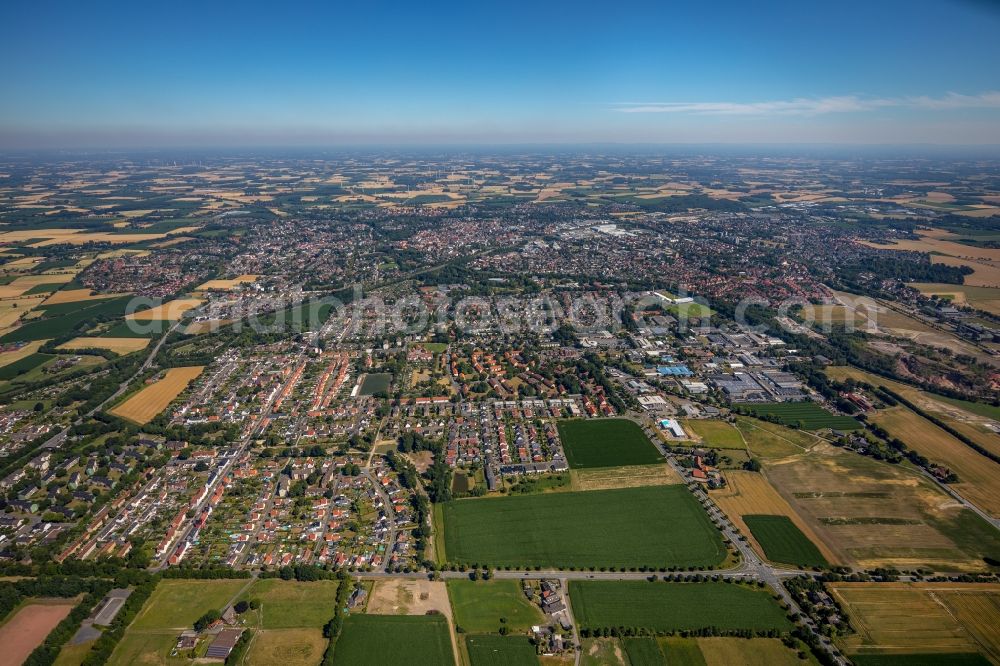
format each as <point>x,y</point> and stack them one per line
<point>169,311</point>
<point>116,345</point>
<point>870,513</point>
<point>715,434</point>
<point>806,415</point>
<point>750,493</point>
<point>477,606</point>
<point>752,652</point>
<point>979,477</point>
<point>25,630</point>
<point>644,651</point>
<point>666,607</point>
<point>489,650</point>
<point>602,652</point>
<point>294,605</point>
<point>921,618</point>
<point>657,526</point>
<point>23,365</point>
<point>409,597</point>
<point>288,647</point>
<point>986,299</point>
<point>63,318</point>
<point>417,640</point>
<point>227,285</point>
<point>154,398</point>
<point>782,541</point>
<point>629,476</point>
<point>606,443</point>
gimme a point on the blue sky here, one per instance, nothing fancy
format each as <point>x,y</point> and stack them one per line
<point>254,73</point>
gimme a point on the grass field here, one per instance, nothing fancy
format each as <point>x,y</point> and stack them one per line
<point>602,652</point>
<point>674,606</point>
<point>715,434</point>
<point>291,604</point>
<point>771,440</point>
<point>117,345</point>
<point>135,329</point>
<point>752,652</point>
<point>644,651</point>
<point>606,443</point>
<point>176,604</point>
<point>487,650</point>
<point>288,647</point>
<point>153,399</point>
<point>145,648</point>
<point>806,415</point>
<point>478,606</point>
<point>681,651</point>
<point>394,640</point>
<point>939,659</point>
<point>657,526</point>
<point>377,382</point>
<point>922,618</point>
<point>782,541</point>
<point>750,493</point>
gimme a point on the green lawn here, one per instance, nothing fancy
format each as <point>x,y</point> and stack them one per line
<point>783,542</point>
<point>606,443</point>
<point>674,606</point>
<point>434,347</point>
<point>289,604</point>
<point>644,651</point>
<point>176,604</point>
<point>478,605</point>
<point>394,640</point>
<point>715,434</point>
<point>486,650</point>
<point>377,382</point>
<point>807,415</point>
<point>657,526</point>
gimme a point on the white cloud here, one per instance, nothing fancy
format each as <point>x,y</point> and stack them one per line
<point>803,106</point>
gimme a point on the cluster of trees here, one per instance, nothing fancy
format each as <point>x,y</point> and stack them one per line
<point>621,631</point>
<point>904,270</point>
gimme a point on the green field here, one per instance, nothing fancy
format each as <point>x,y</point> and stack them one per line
<point>147,647</point>
<point>176,604</point>
<point>478,606</point>
<point>288,604</point>
<point>658,526</point>
<point>674,606</point>
<point>806,415</point>
<point>644,651</point>
<point>149,329</point>
<point>783,542</point>
<point>377,382</point>
<point>487,650</point>
<point>23,365</point>
<point>45,288</point>
<point>606,443</point>
<point>681,651</point>
<point>715,434</point>
<point>434,347</point>
<point>394,640</point>
<point>59,321</point>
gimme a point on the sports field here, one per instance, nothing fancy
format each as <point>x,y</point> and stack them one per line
<point>606,443</point>
<point>715,434</point>
<point>394,640</point>
<point>657,526</point>
<point>488,650</point>
<point>674,606</point>
<point>899,618</point>
<point>477,606</point>
<point>153,399</point>
<point>806,415</point>
<point>782,541</point>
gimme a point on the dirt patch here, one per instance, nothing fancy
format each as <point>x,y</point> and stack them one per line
<point>29,627</point>
<point>629,476</point>
<point>409,597</point>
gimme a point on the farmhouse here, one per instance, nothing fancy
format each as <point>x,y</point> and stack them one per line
<point>223,643</point>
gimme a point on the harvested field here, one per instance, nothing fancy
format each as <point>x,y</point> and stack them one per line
<point>6,358</point>
<point>75,295</point>
<point>409,597</point>
<point>171,310</point>
<point>929,244</point>
<point>12,310</point>
<point>749,493</point>
<point>117,345</point>
<point>983,298</point>
<point>153,399</point>
<point>901,618</point>
<point>288,647</point>
<point>871,514</point>
<point>207,326</point>
<point>628,476</point>
<point>26,630</point>
<point>226,285</point>
<point>746,652</point>
<point>978,475</point>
